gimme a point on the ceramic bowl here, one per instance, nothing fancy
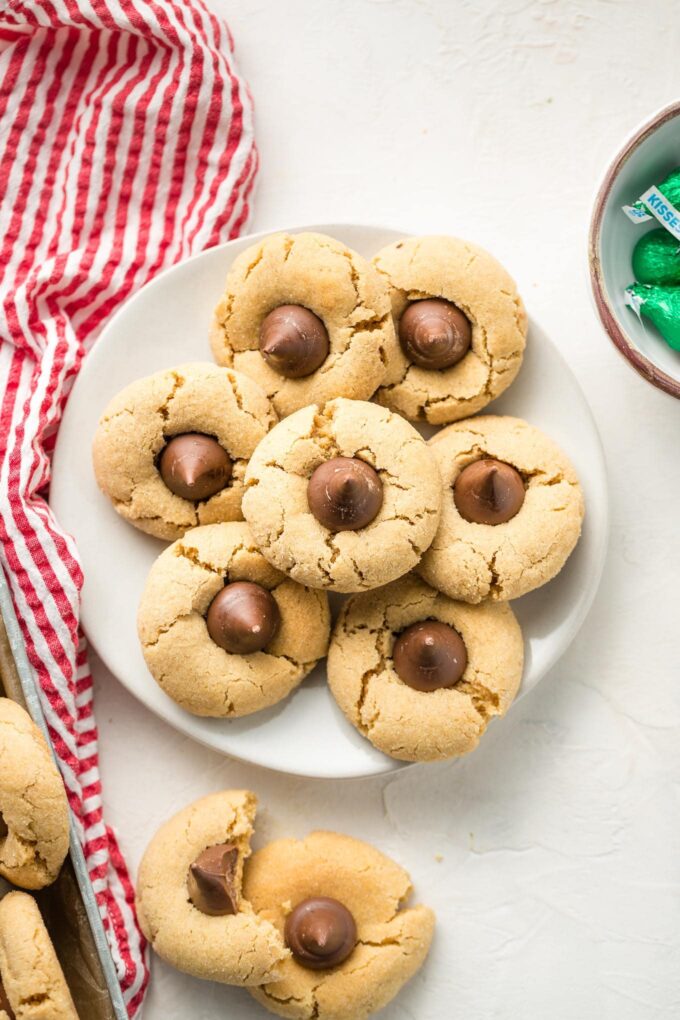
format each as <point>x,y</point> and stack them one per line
<point>651,152</point>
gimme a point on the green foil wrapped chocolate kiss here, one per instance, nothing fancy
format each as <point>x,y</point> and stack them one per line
<point>656,258</point>
<point>669,188</point>
<point>659,304</point>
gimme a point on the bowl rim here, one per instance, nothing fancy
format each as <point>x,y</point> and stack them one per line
<point>617,334</point>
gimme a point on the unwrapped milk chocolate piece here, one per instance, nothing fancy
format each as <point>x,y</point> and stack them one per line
<point>243,618</point>
<point>293,341</point>
<point>210,881</point>
<point>320,932</point>
<point>434,333</point>
<point>345,494</point>
<point>195,466</point>
<point>489,491</point>
<point>429,656</point>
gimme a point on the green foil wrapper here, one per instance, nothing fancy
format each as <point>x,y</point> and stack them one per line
<point>656,258</point>
<point>669,188</point>
<point>661,305</point>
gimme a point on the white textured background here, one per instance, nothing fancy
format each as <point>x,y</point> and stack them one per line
<point>558,892</point>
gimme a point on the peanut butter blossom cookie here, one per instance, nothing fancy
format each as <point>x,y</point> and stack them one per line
<point>306,318</point>
<point>34,822</point>
<point>190,903</point>
<point>222,631</point>
<point>512,510</point>
<point>337,904</point>
<point>461,327</point>
<point>420,675</point>
<point>32,983</point>
<point>345,497</point>
<point>171,450</point>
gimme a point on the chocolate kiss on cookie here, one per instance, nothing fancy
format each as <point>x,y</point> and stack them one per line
<point>320,933</point>
<point>243,618</point>
<point>345,494</point>
<point>211,880</point>
<point>194,466</point>
<point>293,341</point>
<point>488,491</point>
<point>429,655</point>
<point>434,333</point>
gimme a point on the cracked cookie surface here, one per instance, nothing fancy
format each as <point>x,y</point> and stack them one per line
<point>196,397</point>
<point>333,282</point>
<point>275,501</point>
<point>415,725</point>
<point>189,666</point>
<point>478,561</point>
<point>33,803</point>
<point>236,949</point>
<point>29,969</point>
<point>392,942</point>
<point>460,272</point>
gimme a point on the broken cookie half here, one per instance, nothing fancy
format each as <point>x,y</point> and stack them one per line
<point>190,901</point>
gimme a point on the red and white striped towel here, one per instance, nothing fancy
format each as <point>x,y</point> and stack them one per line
<point>126,143</point>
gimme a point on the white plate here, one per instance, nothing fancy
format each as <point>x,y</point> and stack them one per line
<point>166,323</point>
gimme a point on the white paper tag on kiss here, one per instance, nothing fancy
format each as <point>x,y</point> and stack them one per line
<point>659,206</point>
<point>633,301</point>
<point>636,215</point>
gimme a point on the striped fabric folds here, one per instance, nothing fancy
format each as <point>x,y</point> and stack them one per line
<point>126,143</point>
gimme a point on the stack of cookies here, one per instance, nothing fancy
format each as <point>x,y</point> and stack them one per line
<point>292,469</point>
